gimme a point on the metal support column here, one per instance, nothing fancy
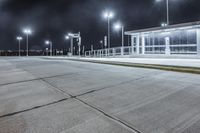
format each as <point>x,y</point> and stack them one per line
<point>138,44</point>
<point>143,44</point>
<point>198,41</point>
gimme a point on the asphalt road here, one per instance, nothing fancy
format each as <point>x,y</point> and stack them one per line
<point>59,96</point>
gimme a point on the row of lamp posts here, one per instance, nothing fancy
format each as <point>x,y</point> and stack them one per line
<point>48,42</point>
<point>28,32</point>
<point>108,15</point>
<point>117,26</point>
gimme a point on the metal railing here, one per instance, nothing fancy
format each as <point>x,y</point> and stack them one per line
<point>110,52</point>
<point>129,50</point>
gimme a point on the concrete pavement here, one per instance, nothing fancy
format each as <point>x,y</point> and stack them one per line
<point>60,96</point>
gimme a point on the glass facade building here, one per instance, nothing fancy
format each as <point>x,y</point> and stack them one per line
<point>174,39</point>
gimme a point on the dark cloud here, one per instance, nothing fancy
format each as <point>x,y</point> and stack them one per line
<point>52,19</point>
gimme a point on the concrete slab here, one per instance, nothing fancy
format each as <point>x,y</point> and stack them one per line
<point>15,76</point>
<point>151,105</point>
<point>66,117</point>
<point>26,95</point>
<point>180,77</point>
<point>49,71</point>
<point>193,128</point>
<point>84,82</point>
<point>7,66</point>
<point>9,73</point>
<point>171,114</point>
<point>42,68</point>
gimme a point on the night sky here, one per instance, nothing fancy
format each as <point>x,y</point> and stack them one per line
<point>52,19</point>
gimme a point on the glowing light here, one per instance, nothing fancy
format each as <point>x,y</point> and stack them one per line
<point>67,37</point>
<point>19,38</point>
<point>70,34</point>
<point>163,24</point>
<point>47,42</point>
<point>108,14</point>
<point>27,31</point>
<point>118,26</point>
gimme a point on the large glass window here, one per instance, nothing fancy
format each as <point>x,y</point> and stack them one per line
<point>156,41</point>
<point>181,41</point>
<point>175,38</point>
<point>192,37</point>
<point>184,37</point>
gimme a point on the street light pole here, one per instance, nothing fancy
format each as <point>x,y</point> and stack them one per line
<point>19,48</point>
<point>122,40</point>
<point>19,38</point>
<point>83,50</point>
<point>50,43</point>
<point>74,50</point>
<point>72,46</point>
<point>167,2</point>
<point>101,51</point>
<point>122,36</point>
<point>108,15</point>
<point>119,26</point>
<point>92,48</point>
<point>167,9</point>
<point>108,32</point>
<point>105,45</point>
<point>27,53</point>
<point>27,32</point>
<point>101,42</point>
<point>79,46</point>
<point>79,43</point>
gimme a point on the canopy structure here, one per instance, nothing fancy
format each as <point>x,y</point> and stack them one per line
<point>173,39</point>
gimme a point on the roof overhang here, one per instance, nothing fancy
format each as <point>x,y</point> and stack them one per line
<point>183,26</point>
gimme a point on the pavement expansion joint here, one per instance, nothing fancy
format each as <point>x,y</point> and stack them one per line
<point>110,116</point>
<point>36,107</point>
<point>107,87</point>
<point>58,89</point>
<point>34,79</point>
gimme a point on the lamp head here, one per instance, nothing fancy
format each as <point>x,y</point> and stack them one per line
<point>118,26</point>
<point>67,37</point>
<point>108,14</point>
<point>27,31</point>
<point>47,42</point>
<point>19,38</point>
<point>163,24</point>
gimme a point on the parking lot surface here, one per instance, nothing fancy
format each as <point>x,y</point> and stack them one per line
<point>40,95</point>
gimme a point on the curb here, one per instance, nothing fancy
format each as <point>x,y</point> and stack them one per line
<point>193,70</point>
